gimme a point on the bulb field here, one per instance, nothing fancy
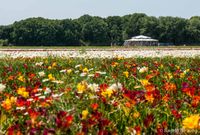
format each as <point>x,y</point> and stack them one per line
<point>105,96</point>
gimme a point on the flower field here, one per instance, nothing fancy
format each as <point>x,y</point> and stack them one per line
<point>99,96</point>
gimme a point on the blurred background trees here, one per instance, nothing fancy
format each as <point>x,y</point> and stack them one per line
<point>93,30</point>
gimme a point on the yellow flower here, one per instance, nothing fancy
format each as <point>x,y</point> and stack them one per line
<point>21,78</point>
<point>84,114</point>
<point>50,76</point>
<point>107,93</point>
<point>178,67</point>
<point>49,67</point>
<point>192,122</point>
<point>120,57</point>
<point>161,66</point>
<point>22,91</point>
<point>114,64</point>
<point>54,64</point>
<point>82,86</point>
<point>85,70</point>
<point>168,76</point>
<point>126,110</point>
<point>46,61</point>
<point>144,82</point>
<point>136,114</point>
<point>182,75</point>
<point>126,73</point>
<point>7,104</point>
<point>69,71</point>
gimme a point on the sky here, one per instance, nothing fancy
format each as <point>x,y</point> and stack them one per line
<point>16,10</point>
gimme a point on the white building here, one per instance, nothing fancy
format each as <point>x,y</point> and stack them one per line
<point>141,41</point>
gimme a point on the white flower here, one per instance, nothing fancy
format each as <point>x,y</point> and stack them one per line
<point>78,66</point>
<point>37,94</point>
<point>91,69</point>
<point>39,89</point>
<point>20,108</point>
<point>63,71</point>
<point>2,87</point>
<point>47,91</point>
<point>93,87</point>
<point>116,87</point>
<point>41,97</point>
<point>102,73</point>
<point>57,95</point>
<point>83,74</point>
<point>45,80</point>
<point>143,69</point>
<point>58,82</point>
<point>91,75</point>
<point>26,113</point>
<point>41,74</point>
<point>30,99</point>
<point>39,63</point>
<point>76,71</point>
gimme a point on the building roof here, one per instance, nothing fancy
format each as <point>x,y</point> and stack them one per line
<point>141,38</point>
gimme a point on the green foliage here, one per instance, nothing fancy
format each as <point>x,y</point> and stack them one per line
<point>93,30</point>
<point>3,42</point>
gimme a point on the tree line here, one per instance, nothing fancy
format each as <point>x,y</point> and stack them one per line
<point>93,30</point>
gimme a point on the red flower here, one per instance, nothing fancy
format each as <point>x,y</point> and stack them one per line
<point>160,131</point>
<point>138,130</point>
<point>63,120</point>
<point>190,91</point>
<point>103,132</point>
<point>164,124</point>
<point>69,120</point>
<point>103,87</point>
<point>148,120</point>
<point>176,114</point>
<point>94,106</point>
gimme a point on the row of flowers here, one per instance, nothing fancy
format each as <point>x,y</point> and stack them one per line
<point>107,53</point>
<point>99,96</point>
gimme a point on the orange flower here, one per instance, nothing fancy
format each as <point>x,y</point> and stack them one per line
<point>148,77</point>
<point>11,78</point>
<point>166,98</point>
<point>114,64</point>
<point>150,87</point>
<point>149,97</point>
<point>169,86</point>
<point>128,104</point>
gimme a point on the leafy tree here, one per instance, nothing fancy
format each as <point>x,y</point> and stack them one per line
<point>194,29</point>
<point>133,24</point>
<point>68,32</point>
<point>149,27</point>
<point>172,29</point>
<point>115,29</point>
<point>94,31</point>
<point>34,31</point>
